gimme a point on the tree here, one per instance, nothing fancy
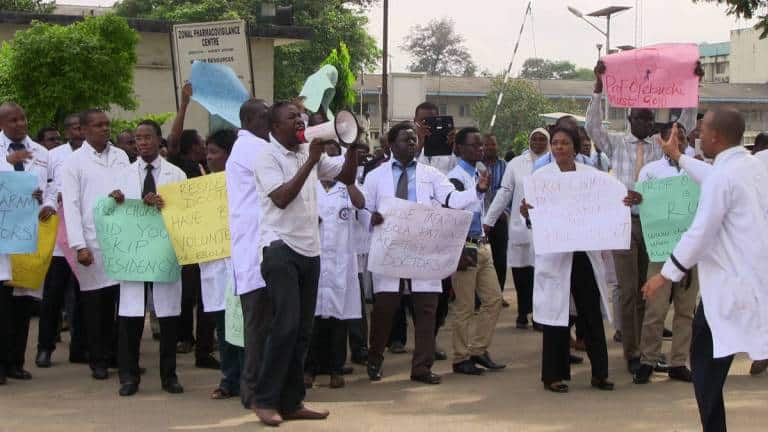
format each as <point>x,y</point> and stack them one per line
<point>333,22</point>
<point>345,87</point>
<point>53,70</point>
<point>747,9</point>
<point>584,74</point>
<point>32,6</point>
<point>538,68</point>
<point>437,49</point>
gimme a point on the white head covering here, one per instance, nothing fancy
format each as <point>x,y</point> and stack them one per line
<point>541,131</point>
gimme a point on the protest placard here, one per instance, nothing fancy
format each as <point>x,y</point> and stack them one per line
<point>196,216</point>
<point>667,211</point>
<point>417,241</point>
<point>62,241</point>
<point>657,76</point>
<point>134,242</point>
<point>18,213</point>
<point>233,317</point>
<point>218,90</point>
<point>29,270</point>
<point>577,211</point>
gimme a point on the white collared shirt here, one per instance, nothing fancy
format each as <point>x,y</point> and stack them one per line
<point>143,169</point>
<point>660,169</point>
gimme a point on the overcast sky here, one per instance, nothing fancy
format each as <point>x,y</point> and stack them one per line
<point>490,27</point>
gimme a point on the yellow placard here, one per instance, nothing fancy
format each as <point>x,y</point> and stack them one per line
<point>196,217</point>
<point>29,270</point>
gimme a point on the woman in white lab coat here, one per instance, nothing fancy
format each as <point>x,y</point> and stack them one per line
<point>559,276</point>
<point>338,293</point>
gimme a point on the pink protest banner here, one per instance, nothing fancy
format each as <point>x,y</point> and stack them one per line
<point>658,76</point>
<point>63,242</point>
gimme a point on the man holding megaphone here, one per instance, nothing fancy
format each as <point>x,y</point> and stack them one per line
<point>287,171</point>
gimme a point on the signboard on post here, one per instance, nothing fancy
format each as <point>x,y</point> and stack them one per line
<point>219,42</point>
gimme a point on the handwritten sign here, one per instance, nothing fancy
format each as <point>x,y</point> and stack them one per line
<point>134,242</point>
<point>62,241</point>
<point>667,211</point>
<point>29,270</point>
<point>417,241</point>
<point>196,216</point>
<point>658,76</point>
<point>577,211</point>
<point>18,213</point>
<point>233,317</point>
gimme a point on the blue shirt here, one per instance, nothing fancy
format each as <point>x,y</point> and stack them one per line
<point>397,170</point>
<point>476,227</point>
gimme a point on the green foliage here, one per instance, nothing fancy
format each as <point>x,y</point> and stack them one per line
<point>538,68</point>
<point>119,125</point>
<point>584,74</point>
<point>747,9</point>
<point>32,6</point>
<point>519,143</point>
<point>345,88</point>
<point>437,49</point>
<point>54,70</point>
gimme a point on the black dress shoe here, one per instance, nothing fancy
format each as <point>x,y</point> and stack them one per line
<point>633,365</point>
<point>574,359</point>
<point>643,374</point>
<point>427,378</point>
<point>128,389</point>
<point>680,373</point>
<point>602,384</point>
<point>374,371</point>
<point>207,361</point>
<point>100,373</point>
<point>440,355</point>
<point>172,386</point>
<point>18,373</point>
<point>467,367</point>
<point>43,359</point>
<point>557,387</point>
<point>486,362</point>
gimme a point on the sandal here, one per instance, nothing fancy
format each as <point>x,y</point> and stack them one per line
<point>221,393</point>
<point>557,387</point>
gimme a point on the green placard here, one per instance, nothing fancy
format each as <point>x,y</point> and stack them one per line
<point>233,318</point>
<point>134,243</point>
<point>667,211</point>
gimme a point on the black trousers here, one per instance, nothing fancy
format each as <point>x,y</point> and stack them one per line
<point>257,317</point>
<point>358,328</point>
<point>292,289</point>
<point>399,330</point>
<point>442,304</point>
<point>523,278</point>
<point>15,313</point>
<point>328,347</point>
<point>709,375</point>
<point>555,364</point>
<point>99,307</point>
<point>200,331</point>
<point>498,236</point>
<point>58,281</point>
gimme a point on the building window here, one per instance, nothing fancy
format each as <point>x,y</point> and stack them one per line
<point>443,109</point>
<point>617,113</point>
<point>465,111</point>
<point>721,68</point>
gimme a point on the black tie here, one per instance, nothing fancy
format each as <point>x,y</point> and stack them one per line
<point>402,185</point>
<point>149,182</point>
<point>19,166</point>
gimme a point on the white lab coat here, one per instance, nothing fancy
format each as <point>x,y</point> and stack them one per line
<point>214,278</point>
<point>57,156</point>
<point>166,297</point>
<point>728,240</point>
<point>432,188</point>
<point>552,277</point>
<point>86,177</point>
<point>244,212</point>
<point>338,293</point>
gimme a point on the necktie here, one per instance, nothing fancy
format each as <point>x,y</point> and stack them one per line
<point>149,182</point>
<point>402,185</point>
<point>639,158</point>
<point>19,166</point>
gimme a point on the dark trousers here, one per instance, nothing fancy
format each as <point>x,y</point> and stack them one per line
<point>129,343</point>
<point>523,278</point>
<point>58,281</point>
<point>442,304</point>
<point>399,331</point>
<point>709,375</point>
<point>73,305</point>
<point>292,289</point>
<point>257,316</point>
<point>498,237</point>
<point>15,313</point>
<point>328,347</point>
<point>99,307</point>
<point>232,357</point>
<point>191,300</point>
<point>424,310</point>
<point>555,364</point>
<point>358,328</point>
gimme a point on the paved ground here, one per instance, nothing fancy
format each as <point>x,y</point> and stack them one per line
<point>64,398</point>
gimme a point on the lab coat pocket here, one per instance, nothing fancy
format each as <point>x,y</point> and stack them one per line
<point>735,307</point>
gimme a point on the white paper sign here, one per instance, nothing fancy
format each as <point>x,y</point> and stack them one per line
<point>417,241</point>
<point>578,211</point>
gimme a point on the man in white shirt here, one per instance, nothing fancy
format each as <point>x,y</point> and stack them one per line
<point>89,174</point>
<point>728,240</point>
<point>287,172</point>
<point>244,216</point>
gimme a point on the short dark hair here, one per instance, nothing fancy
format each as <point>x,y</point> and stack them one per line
<point>762,139</point>
<point>395,130</point>
<point>247,109</point>
<point>426,106</point>
<point>85,116</point>
<point>574,135</point>
<point>509,155</point>
<point>275,109</point>
<point>730,124</point>
<point>461,137</point>
<point>559,121</point>
<point>187,140</point>
<point>41,132</point>
<point>68,119</point>
<point>153,124</point>
<point>224,139</point>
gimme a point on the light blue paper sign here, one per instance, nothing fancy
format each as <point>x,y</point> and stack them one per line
<point>18,213</point>
<point>218,90</point>
<point>319,89</point>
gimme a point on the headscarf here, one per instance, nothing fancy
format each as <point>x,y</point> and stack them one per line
<point>541,131</point>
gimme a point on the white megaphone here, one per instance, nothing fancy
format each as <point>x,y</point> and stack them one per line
<point>343,128</point>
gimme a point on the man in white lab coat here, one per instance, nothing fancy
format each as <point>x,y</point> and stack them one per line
<point>27,156</point>
<point>140,181</point>
<point>728,240</point>
<point>89,174</point>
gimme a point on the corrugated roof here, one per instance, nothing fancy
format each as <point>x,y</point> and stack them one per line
<point>714,49</point>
